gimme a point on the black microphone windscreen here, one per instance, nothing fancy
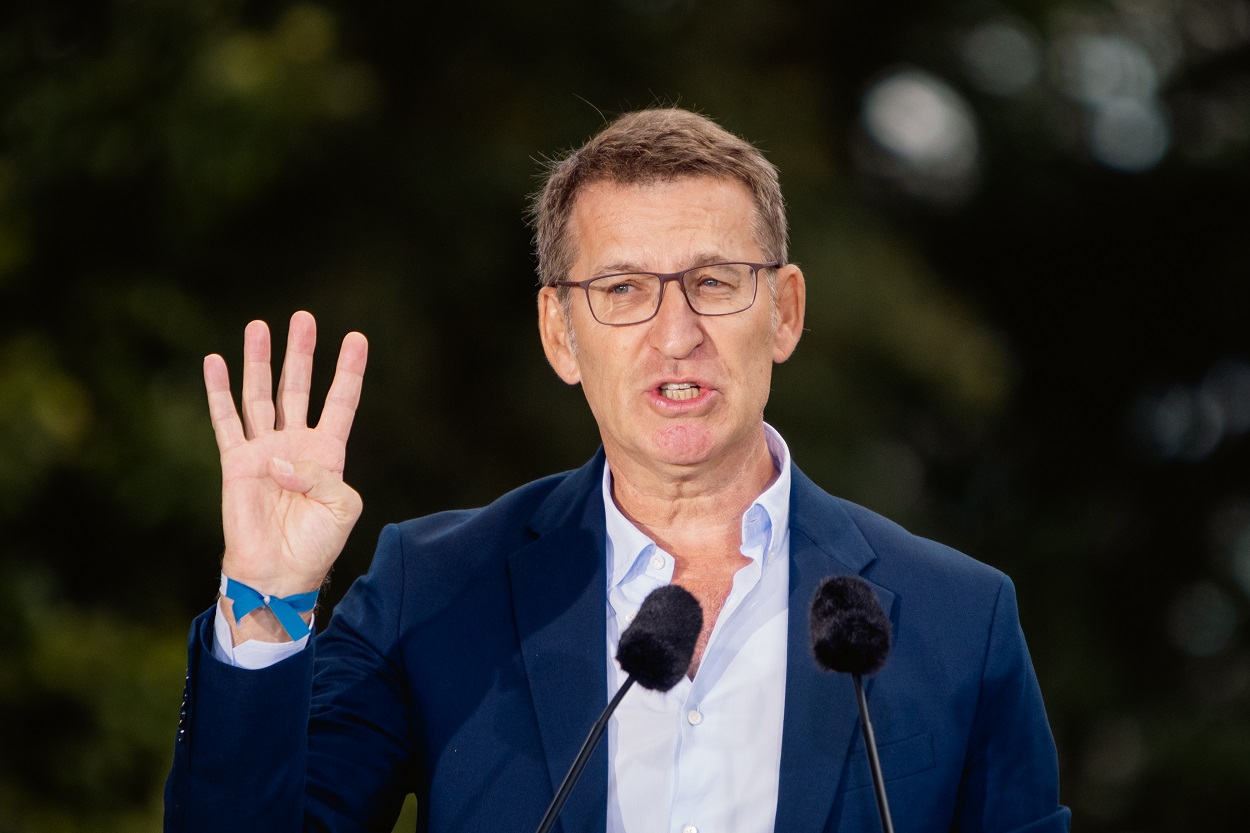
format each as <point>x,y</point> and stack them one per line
<point>850,632</point>
<point>658,645</point>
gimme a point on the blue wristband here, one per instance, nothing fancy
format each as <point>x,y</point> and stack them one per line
<point>287,610</point>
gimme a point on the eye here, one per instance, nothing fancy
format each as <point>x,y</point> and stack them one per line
<point>620,288</point>
<point>717,279</point>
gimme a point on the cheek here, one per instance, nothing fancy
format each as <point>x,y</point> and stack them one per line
<point>754,353</point>
<point>600,385</point>
<point>759,373</point>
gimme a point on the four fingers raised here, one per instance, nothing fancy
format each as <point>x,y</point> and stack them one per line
<point>344,396</point>
<point>296,380</point>
<point>226,426</point>
<point>260,412</point>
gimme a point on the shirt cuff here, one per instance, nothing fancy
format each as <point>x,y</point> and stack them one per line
<point>252,654</point>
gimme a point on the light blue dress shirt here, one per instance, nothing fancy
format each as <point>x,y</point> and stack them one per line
<point>704,757</point>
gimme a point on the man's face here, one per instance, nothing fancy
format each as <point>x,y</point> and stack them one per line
<point>681,389</point>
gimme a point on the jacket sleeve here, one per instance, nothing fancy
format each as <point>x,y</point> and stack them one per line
<point>318,741</point>
<point>1011,774</point>
<point>241,749</point>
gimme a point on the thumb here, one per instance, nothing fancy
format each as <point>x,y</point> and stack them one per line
<point>317,483</point>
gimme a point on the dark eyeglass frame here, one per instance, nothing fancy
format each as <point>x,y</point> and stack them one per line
<point>676,277</point>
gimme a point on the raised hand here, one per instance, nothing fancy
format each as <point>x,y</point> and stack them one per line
<point>286,512</point>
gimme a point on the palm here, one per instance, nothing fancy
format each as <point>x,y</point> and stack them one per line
<point>268,527</point>
<point>283,530</point>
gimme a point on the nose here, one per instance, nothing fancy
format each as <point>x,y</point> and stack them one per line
<point>676,329</point>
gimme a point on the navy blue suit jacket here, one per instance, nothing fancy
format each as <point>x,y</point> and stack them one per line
<point>468,666</point>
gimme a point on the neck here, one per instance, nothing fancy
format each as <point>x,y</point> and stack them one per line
<point>686,509</point>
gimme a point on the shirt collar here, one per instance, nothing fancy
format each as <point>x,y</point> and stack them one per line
<point>765,523</point>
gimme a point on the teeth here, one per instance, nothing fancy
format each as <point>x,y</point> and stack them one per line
<point>685,390</point>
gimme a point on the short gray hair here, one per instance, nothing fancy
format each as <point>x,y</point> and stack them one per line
<point>647,146</point>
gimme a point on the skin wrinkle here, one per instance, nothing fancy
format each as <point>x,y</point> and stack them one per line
<point>566,293</point>
<point>649,147</point>
<point>658,229</point>
<point>683,471</point>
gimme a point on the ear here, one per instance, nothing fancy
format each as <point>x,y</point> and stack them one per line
<point>791,306</point>
<point>553,328</point>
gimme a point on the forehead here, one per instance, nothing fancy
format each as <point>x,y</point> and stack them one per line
<point>662,226</point>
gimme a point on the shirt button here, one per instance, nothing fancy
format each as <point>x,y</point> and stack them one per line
<point>657,562</point>
<point>690,828</point>
<point>694,718</point>
<point>629,617</point>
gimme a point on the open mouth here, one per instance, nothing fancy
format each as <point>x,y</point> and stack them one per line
<point>679,391</point>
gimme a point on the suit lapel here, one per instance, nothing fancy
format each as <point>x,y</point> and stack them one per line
<point>558,587</point>
<point>821,719</point>
<point>559,583</point>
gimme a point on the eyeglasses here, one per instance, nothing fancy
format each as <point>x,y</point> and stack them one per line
<point>635,297</point>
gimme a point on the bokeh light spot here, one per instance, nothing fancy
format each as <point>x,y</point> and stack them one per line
<point>1116,751</point>
<point>1001,57</point>
<point>1097,69</point>
<point>306,34</point>
<point>1130,134</point>
<point>1202,619</point>
<point>921,119</point>
<point>1228,384</point>
<point>1188,422</point>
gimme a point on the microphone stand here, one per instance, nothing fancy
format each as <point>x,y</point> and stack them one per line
<point>562,795</point>
<point>870,743</point>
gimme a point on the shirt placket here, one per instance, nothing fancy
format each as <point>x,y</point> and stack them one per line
<point>694,790</point>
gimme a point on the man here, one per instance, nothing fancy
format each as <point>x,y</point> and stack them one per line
<point>470,662</point>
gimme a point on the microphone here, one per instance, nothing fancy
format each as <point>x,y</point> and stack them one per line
<point>655,651</point>
<point>851,635</point>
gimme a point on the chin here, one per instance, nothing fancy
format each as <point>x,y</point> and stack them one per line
<point>683,444</point>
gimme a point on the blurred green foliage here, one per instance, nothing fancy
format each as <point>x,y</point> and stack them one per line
<point>1037,355</point>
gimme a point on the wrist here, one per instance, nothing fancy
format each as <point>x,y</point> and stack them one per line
<point>257,626</point>
<point>265,617</point>
<point>275,583</point>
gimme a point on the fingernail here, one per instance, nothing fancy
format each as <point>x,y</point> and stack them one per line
<point>283,466</point>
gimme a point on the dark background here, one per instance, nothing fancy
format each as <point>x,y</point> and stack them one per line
<point>1023,226</point>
